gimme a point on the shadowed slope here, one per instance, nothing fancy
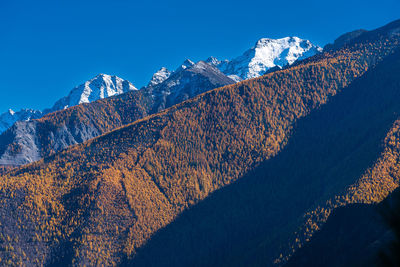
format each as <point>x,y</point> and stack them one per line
<point>251,221</point>
<point>355,235</point>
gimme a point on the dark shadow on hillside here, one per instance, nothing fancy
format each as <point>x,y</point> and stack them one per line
<point>248,222</point>
<point>363,235</point>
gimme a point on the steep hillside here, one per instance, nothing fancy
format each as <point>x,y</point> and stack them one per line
<point>100,201</point>
<point>328,162</point>
<point>101,86</point>
<point>344,39</point>
<point>356,235</point>
<point>28,141</point>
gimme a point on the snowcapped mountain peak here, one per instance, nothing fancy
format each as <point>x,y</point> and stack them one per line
<point>99,87</point>
<point>265,54</point>
<point>186,64</point>
<point>265,41</point>
<point>160,76</point>
<point>213,61</point>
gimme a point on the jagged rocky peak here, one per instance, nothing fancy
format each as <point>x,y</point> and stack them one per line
<point>102,86</point>
<point>186,64</point>
<point>213,61</point>
<point>160,76</point>
<point>287,50</point>
<point>99,87</point>
<point>8,118</point>
<point>264,55</point>
<point>201,65</point>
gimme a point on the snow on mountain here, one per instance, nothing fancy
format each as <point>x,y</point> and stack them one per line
<point>214,61</point>
<point>266,54</point>
<point>163,74</point>
<point>183,84</point>
<point>187,81</point>
<point>7,119</point>
<point>160,76</point>
<point>186,64</point>
<point>99,87</point>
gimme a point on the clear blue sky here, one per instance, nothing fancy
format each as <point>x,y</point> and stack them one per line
<point>48,47</point>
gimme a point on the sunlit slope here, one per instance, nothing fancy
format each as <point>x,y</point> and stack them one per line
<point>100,201</point>
<point>30,140</point>
<point>348,151</point>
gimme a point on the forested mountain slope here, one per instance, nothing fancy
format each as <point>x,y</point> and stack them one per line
<point>356,235</point>
<point>346,152</point>
<point>101,201</point>
<point>28,141</point>
<point>99,87</point>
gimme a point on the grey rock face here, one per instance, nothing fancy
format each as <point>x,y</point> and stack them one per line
<point>19,144</point>
<point>160,76</point>
<point>186,83</point>
<point>29,141</point>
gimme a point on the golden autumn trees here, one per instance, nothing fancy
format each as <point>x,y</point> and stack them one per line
<point>99,202</point>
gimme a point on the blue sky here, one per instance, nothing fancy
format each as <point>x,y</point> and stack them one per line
<point>48,47</point>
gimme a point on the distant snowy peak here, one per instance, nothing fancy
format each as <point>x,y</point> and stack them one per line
<point>163,74</point>
<point>7,119</point>
<point>214,61</point>
<point>266,54</point>
<point>186,64</point>
<point>99,87</point>
<point>159,76</point>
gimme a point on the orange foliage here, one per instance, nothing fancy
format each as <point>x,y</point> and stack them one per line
<point>97,202</point>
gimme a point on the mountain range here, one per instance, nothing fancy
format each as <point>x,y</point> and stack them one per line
<point>266,54</point>
<point>28,141</point>
<point>298,166</point>
<point>23,143</point>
